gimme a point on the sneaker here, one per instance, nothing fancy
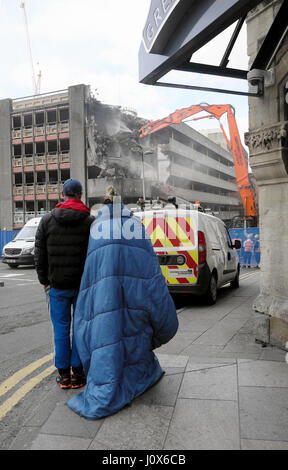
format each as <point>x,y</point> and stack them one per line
<point>64,381</point>
<point>78,378</point>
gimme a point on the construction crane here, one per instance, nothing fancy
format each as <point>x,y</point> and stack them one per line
<point>244,185</point>
<point>35,81</point>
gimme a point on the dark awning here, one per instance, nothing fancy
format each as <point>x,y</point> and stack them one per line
<point>176,29</point>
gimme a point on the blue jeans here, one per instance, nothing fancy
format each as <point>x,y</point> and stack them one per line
<point>247,257</point>
<point>61,303</point>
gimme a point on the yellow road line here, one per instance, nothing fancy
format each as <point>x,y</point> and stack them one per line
<point>22,391</point>
<point>21,374</point>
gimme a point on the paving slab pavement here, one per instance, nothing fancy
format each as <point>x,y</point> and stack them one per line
<point>221,390</point>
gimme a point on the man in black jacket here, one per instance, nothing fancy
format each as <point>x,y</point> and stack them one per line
<point>60,252</point>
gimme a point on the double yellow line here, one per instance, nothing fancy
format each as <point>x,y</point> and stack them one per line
<point>10,383</point>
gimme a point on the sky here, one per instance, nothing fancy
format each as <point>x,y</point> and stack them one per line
<point>96,42</point>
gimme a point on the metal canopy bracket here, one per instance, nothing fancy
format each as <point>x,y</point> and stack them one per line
<point>176,29</point>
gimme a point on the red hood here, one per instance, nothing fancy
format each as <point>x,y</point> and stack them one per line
<point>74,204</point>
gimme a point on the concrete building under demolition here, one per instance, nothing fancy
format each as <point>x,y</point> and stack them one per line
<point>46,139</point>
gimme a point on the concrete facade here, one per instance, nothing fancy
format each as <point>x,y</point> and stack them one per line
<point>268,144</point>
<point>34,156</point>
<point>78,165</point>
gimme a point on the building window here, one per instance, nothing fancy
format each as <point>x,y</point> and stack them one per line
<point>53,176</point>
<point>64,175</point>
<point>18,206</point>
<point>41,206</point>
<point>18,178</point>
<point>17,150</point>
<point>28,150</point>
<point>29,178</point>
<point>16,122</point>
<point>64,145</point>
<point>27,120</point>
<point>41,177</point>
<point>30,206</point>
<point>39,119</point>
<point>40,148</point>
<point>52,116</point>
<point>52,147</point>
<point>64,114</point>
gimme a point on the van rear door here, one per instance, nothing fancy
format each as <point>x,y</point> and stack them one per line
<point>154,223</point>
<point>181,247</point>
<point>174,237</point>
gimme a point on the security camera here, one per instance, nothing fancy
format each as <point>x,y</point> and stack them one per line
<point>259,78</point>
<point>255,77</point>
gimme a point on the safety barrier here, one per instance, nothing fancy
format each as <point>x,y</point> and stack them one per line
<point>249,254</point>
<point>5,237</point>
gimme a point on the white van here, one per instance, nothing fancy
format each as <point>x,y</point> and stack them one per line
<point>20,251</point>
<point>194,250</point>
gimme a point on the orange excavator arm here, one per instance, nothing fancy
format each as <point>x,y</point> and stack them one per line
<point>234,143</point>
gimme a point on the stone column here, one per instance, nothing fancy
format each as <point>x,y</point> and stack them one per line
<point>6,197</point>
<point>268,144</point>
<point>77,124</point>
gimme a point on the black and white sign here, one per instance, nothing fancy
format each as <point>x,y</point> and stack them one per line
<point>159,12</point>
<point>175,29</point>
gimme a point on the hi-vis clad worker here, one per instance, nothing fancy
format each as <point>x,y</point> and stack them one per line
<point>248,250</point>
<point>60,251</point>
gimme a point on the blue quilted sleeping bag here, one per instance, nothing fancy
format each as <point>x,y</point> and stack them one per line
<point>124,311</point>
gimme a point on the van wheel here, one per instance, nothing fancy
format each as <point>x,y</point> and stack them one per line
<point>235,283</point>
<point>211,294</point>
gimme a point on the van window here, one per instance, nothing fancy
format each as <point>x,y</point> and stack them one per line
<point>211,228</point>
<point>228,237</point>
<point>27,232</point>
<point>224,236</point>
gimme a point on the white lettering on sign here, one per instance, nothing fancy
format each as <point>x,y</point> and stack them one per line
<point>157,17</point>
<point>166,4</point>
<point>150,32</point>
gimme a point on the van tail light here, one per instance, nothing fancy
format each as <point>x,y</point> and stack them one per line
<point>201,248</point>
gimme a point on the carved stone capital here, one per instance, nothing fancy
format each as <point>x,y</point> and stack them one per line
<point>267,138</point>
<point>268,148</point>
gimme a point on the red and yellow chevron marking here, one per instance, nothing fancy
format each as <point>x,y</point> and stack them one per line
<point>174,232</point>
<point>155,227</point>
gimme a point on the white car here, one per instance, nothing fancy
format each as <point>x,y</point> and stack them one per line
<point>20,251</point>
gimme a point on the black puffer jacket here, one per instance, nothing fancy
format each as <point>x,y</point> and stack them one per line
<point>60,247</point>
